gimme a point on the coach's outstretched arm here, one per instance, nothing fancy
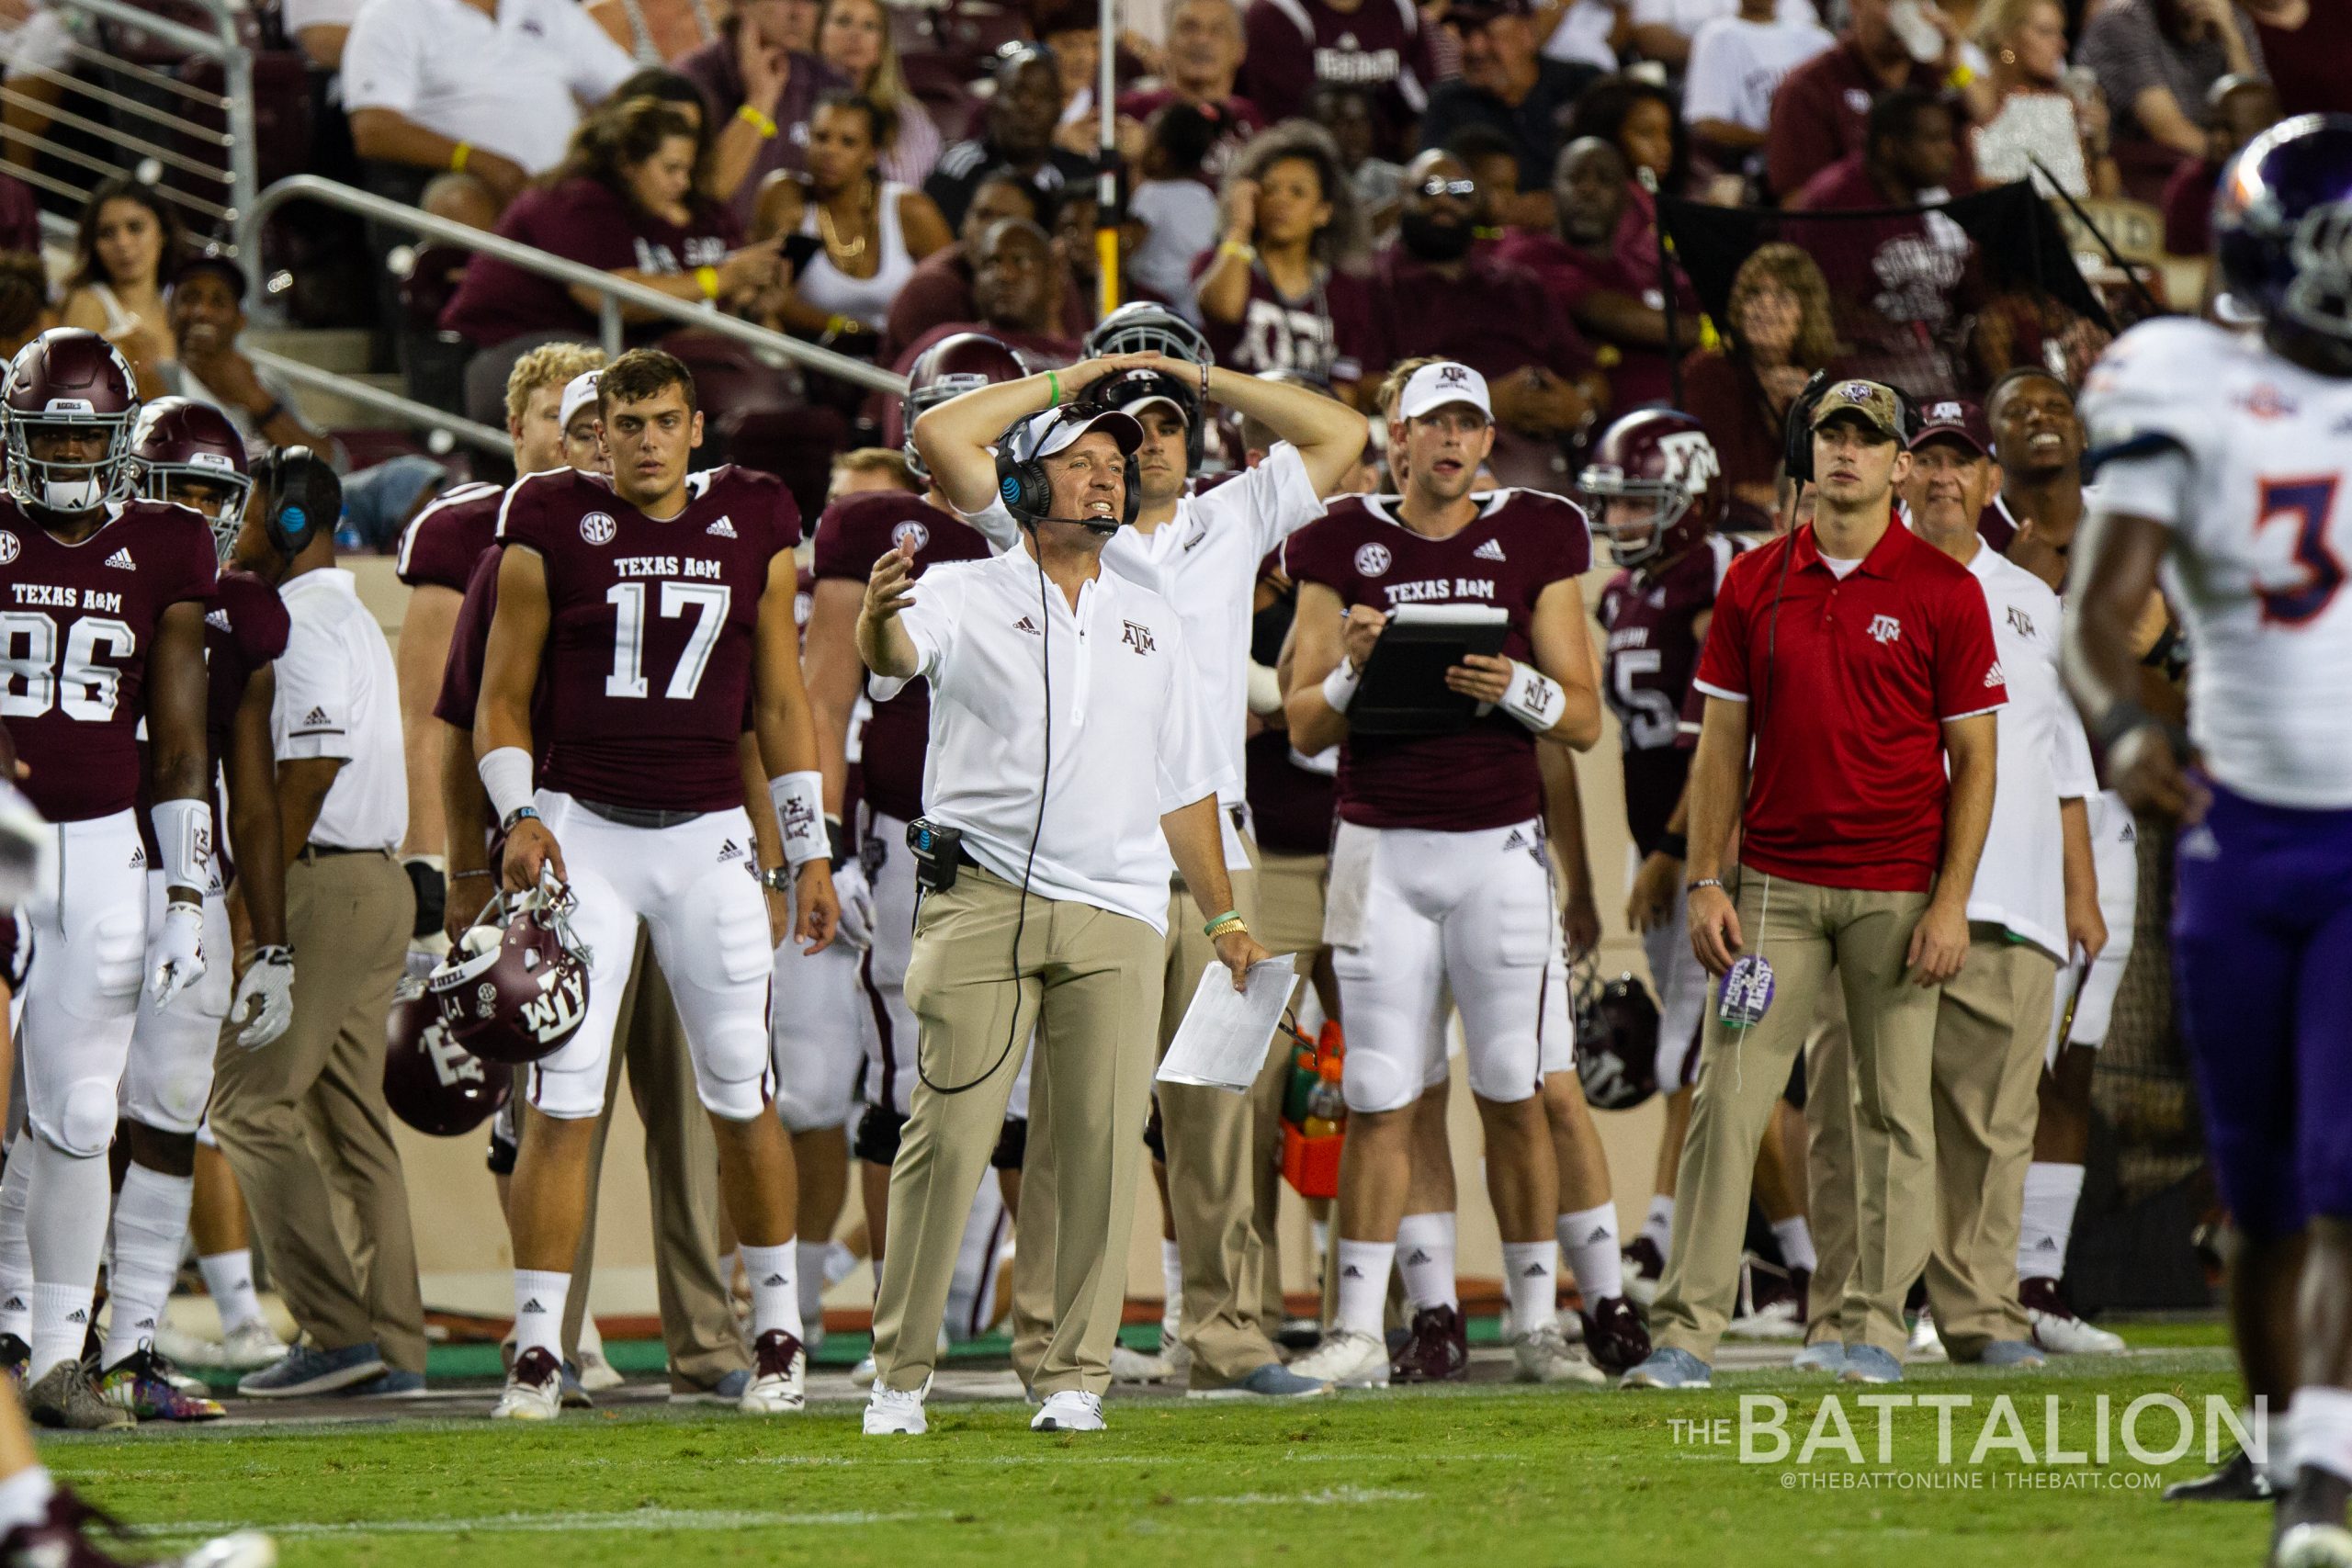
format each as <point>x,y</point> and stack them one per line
<point>955,437</point>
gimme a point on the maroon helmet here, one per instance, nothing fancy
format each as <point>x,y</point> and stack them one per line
<point>1616,1041</point>
<point>177,442</point>
<point>1663,456</point>
<point>518,991</point>
<point>72,379</point>
<point>949,368</point>
<point>430,1082</point>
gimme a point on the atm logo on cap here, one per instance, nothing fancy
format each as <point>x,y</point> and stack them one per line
<point>1944,414</point>
<point>1858,391</point>
<point>1453,375</point>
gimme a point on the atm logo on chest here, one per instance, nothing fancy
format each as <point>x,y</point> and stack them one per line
<point>1436,590</point>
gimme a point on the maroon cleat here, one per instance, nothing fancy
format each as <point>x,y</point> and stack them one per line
<point>1439,1350</point>
<point>1645,1267</point>
<point>1613,1336</point>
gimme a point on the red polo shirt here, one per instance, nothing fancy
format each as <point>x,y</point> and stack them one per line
<point>1849,783</point>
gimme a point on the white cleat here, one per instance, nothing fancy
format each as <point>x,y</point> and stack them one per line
<point>1134,1366</point>
<point>1773,1320</point>
<point>246,1549</point>
<point>1925,1344</point>
<point>2314,1546</point>
<point>534,1389</point>
<point>598,1375</point>
<point>185,1349</point>
<point>1072,1410</point>
<point>778,1365</point>
<point>1346,1358</point>
<point>1545,1355</point>
<point>896,1412</point>
<point>250,1347</point>
<point>2056,1328</point>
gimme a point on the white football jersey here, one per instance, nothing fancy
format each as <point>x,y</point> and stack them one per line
<point>2262,535</point>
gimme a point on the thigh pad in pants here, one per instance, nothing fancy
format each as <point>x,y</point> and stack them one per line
<point>169,1076</point>
<point>90,928</point>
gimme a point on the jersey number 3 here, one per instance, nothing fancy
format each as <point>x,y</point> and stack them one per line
<point>2310,502</point>
<point>707,600</point>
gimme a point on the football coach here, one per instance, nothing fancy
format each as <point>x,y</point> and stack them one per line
<point>1860,661</point>
<point>1071,757</point>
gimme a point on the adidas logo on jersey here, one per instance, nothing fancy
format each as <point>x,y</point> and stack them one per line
<point>316,716</point>
<point>729,851</point>
<point>724,528</point>
<point>1491,550</point>
<point>217,618</point>
<point>1518,840</point>
<point>139,857</point>
<point>1025,625</point>
<point>120,561</point>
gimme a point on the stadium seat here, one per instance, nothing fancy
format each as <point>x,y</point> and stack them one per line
<point>795,445</point>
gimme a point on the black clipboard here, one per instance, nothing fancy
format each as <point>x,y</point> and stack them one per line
<point>1404,690</point>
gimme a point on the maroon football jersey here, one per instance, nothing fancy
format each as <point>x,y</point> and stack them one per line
<point>650,628</point>
<point>77,623</point>
<point>851,536</point>
<point>1290,806</point>
<point>1521,542</point>
<point>1653,652</point>
<point>1326,333</point>
<point>441,542</point>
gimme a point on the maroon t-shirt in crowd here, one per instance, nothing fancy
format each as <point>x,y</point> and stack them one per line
<point>1243,119</point>
<point>81,620</point>
<point>244,631</point>
<point>585,221</point>
<point>1651,620</point>
<point>650,631</point>
<point>441,542</point>
<point>1817,114</point>
<point>1521,542</point>
<point>1327,332</point>
<point>1496,318</point>
<point>19,216</point>
<point>1379,46</point>
<point>854,532</point>
<point>1570,274</point>
<point>712,69</point>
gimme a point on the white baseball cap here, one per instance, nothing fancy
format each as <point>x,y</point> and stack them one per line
<point>1043,435</point>
<point>1432,387</point>
<point>578,393</point>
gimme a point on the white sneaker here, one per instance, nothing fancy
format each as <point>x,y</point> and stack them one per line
<point>896,1412</point>
<point>777,1366</point>
<point>1134,1366</point>
<point>1773,1320</point>
<point>534,1389</point>
<point>1072,1410</point>
<point>598,1375</point>
<point>1543,1356</point>
<point>1925,1345</point>
<point>250,1347</point>
<point>864,1372</point>
<point>1175,1352</point>
<point>1346,1358</point>
<point>2056,1328</point>
<point>183,1349</point>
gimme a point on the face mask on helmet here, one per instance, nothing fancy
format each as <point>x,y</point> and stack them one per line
<point>919,403</point>
<point>70,485</point>
<point>1636,531</point>
<point>225,510</point>
<point>1145,328</point>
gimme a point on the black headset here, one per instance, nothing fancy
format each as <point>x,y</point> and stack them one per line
<point>1022,484</point>
<point>300,497</point>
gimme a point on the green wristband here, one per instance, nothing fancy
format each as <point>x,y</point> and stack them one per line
<point>1208,927</point>
<point>1054,385</point>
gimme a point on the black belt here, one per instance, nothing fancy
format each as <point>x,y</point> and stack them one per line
<point>635,816</point>
<point>327,852</point>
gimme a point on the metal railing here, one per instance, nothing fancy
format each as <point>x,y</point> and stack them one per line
<point>615,292</point>
<point>147,119</point>
<point>471,432</point>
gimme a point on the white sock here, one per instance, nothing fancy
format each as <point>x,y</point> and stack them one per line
<point>1531,1278</point>
<point>1589,1237</point>
<point>24,1497</point>
<point>808,1261</point>
<point>229,1276</point>
<point>1425,1249</point>
<point>727,1272</point>
<point>1171,1285</point>
<point>1796,1237</point>
<point>1362,1301</point>
<point>2050,1193</point>
<point>1659,1226</point>
<point>2323,1430</point>
<point>150,1224</point>
<point>591,1341</point>
<point>15,1256</point>
<point>540,1296</point>
<point>65,1228</point>
<point>775,1301</point>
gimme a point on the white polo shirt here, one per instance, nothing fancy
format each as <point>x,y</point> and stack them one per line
<point>511,85</point>
<point>337,696</point>
<point>1205,562</point>
<point>2043,757</point>
<point>1130,739</point>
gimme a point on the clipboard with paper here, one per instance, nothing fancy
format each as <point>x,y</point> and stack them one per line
<point>1404,690</point>
<point>1223,1040</point>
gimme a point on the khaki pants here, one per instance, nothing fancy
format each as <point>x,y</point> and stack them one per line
<point>1290,905</point>
<point>1862,937</point>
<point>1990,1027</point>
<point>1087,981</point>
<point>352,914</point>
<point>682,1181</point>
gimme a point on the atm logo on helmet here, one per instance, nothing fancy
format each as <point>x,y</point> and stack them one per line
<point>557,1010</point>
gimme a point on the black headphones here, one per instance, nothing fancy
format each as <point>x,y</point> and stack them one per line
<point>1796,434</point>
<point>1022,484</point>
<point>300,497</point>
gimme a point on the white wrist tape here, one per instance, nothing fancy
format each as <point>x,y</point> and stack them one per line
<point>800,812</point>
<point>1339,687</point>
<point>184,834</point>
<point>506,778</point>
<point>1534,698</point>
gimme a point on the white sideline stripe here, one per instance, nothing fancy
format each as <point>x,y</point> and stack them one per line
<point>1346,1495</point>
<point>1064,1461</point>
<point>540,1524</point>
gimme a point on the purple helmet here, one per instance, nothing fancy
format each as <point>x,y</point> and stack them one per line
<point>177,440</point>
<point>2282,230</point>
<point>72,379</point>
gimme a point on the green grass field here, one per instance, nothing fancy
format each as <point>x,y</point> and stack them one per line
<point>1490,1474</point>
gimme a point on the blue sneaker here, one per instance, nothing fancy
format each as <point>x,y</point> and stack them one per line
<point>727,1390</point>
<point>393,1384</point>
<point>307,1370</point>
<point>574,1396</point>
<point>1272,1380</point>
<point>1867,1363</point>
<point>2010,1353</point>
<point>1668,1368</point>
<point>1821,1356</point>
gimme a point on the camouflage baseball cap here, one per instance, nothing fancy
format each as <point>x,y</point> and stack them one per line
<point>1877,405</point>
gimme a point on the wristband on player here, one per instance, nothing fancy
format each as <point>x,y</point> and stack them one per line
<point>1674,846</point>
<point>837,847</point>
<point>520,814</point>
<point>506,779</point>
<point>799,801</point>
<point>184,834</point>
<point>1339,687</point>
<point>1534,698</point>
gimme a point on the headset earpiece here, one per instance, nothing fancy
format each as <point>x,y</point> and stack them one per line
<point>1796,434</point>
<point>300,497</point>
<point>1028,493</point>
